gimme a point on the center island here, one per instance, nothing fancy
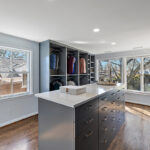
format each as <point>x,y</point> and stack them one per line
<point>88,121</point>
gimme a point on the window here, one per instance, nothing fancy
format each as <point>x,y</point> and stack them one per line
<point>138,74</point>
<point>134,73</point>
<point>14,72</point>
<point>110,71</point>
<point>104,71</point>
<point>146,74</point>
<point>116,70</point>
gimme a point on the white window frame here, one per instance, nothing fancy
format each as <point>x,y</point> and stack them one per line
<point>141,77</point>
<point>122,77</point>
<point>29,72</point>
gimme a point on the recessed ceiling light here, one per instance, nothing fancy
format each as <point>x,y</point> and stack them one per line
<point>96,30</point>
<point>80,42</point>
<point>113,43</point>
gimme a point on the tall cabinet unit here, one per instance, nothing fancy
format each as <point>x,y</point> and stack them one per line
<point>92,69</point>
<point>55,69</point>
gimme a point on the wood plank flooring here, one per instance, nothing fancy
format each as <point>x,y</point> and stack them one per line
<point>134,135</point>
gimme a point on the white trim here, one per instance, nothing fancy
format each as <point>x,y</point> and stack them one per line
<point>138,92</point>
<point>14,49</point>
<point>142,74</point>
<point>30,72</point>
<point>18,119</point>
<point>11,96</point>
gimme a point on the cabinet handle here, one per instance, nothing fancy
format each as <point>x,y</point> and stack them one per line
<point>113,118</point>
<point>113,110</point>
<point>89,134</point>
<point>112,102</point>
<point>104,141</point>
<point>105,118</point>
<point>90,121</point>
<point>104,108</point>
<point>112,93</point>
<point>113,128</point>
<point>105,129</point>
<point>89,107</point>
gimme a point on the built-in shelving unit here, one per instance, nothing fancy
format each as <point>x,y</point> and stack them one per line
<point>92,69</point>
<point>50,73</point>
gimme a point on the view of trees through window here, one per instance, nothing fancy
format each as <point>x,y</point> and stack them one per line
<point>133,73</point>
<point>147,74</point>
<point>110,71</point>
<point>14,72</point>
<point>137,72</point>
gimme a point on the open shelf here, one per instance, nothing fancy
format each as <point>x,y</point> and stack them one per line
<point>61,73</point>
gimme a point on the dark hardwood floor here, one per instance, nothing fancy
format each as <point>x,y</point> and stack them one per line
<point>134,135</point>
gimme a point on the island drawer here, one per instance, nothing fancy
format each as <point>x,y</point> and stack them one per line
<point>88,140</point>
<point>86,110</point>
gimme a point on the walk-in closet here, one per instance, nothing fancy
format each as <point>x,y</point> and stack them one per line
<point>64,65</point>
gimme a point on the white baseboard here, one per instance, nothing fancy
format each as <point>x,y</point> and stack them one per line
<point>18,119</point>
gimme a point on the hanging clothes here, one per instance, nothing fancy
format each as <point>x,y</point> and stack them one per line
<point>71,64</point>
<point>54,61</point>
<point>74,60</point>
<point>82,65</point>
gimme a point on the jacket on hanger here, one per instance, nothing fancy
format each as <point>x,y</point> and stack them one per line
<point>82,65</point>
<point>71,64</point>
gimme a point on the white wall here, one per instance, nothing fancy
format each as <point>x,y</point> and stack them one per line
<point>15,109</point>
<point>138,98</point>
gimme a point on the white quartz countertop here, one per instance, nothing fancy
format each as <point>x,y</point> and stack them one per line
<point>92,91</point>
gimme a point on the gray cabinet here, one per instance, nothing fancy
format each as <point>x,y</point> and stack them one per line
<point>48,75</point>
<point>90,126</point>
<point>86,127</point>
<point>111,116</point>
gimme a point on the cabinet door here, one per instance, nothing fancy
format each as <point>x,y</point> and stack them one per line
<point>87,126</point>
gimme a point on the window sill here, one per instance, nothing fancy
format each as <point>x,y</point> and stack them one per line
<point>10,97</point>
<point>137,92</point>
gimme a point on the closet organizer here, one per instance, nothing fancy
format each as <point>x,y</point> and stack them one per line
<point>63,65</point>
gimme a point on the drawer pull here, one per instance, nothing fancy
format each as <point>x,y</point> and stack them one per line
<point>89,107</point>
<point>113,128</point>
<point>89,134</point>
<point>112,102</point>
<point>113,118</point>
<point>104,108</point>
<point>105,118</point>
<point>90,121</point>
<point>112,93</point>
<point>105,129</point>
<point>113,110</point>
<point>104,141</point>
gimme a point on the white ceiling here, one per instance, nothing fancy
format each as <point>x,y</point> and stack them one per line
<point>126,22</point>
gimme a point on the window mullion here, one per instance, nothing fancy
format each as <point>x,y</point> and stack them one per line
<point>11,69</point>
<point>125,72</point>
<point>142,75</point>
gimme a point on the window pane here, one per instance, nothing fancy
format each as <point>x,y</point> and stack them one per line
<point>115,70</point>
<point>104,71</point>
<point>20,82</point>
<point>5,84</point>
<point>20,61</point>
<point>133,73</point>
<point>5,60</point>
<point>146,74</point>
